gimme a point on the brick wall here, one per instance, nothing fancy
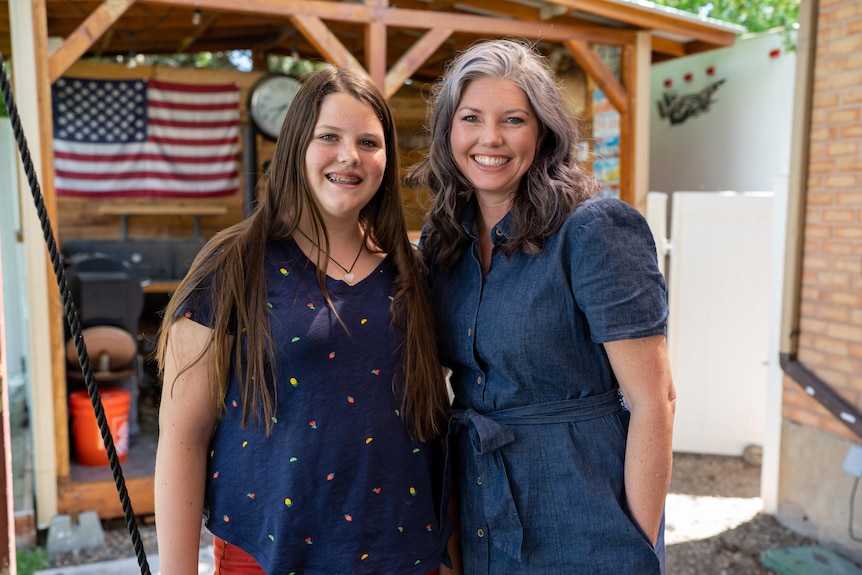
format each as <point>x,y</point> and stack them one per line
<point>830,341</point>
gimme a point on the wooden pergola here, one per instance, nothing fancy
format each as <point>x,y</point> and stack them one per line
<point>394,41</point>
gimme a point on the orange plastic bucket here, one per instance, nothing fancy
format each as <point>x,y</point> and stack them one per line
<point>88,439</point>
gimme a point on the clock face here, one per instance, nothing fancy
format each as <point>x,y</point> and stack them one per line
<point>270,98</point>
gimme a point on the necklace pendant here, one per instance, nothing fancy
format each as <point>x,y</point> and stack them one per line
<point>348,277</point>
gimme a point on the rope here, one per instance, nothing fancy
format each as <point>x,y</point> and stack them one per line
<point>73,319</point>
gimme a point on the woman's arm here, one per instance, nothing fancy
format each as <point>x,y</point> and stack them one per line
<point>186,421</point>
<point>643,371</point>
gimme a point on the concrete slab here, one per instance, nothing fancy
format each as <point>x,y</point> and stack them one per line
<point>129,566</point>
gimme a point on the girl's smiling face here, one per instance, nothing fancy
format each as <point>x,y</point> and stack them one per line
<point>494,137</point>
<point>346,158</point>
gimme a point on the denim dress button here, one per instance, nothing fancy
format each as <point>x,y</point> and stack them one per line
<point>478,481</point>
<point>480,532</point>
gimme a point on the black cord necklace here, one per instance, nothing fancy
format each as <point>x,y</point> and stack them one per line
<point>348,273</point>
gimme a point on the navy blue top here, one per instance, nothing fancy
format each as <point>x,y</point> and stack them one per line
<point>538,436</point>
<point>338,486</point>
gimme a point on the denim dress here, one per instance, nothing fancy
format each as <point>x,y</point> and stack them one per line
<point>538,433</point>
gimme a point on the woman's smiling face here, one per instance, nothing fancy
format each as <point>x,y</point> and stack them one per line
<point>494,137</point>
<point>346,158</point>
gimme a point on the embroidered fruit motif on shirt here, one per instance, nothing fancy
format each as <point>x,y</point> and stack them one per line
<point>310,306</point>
<point>293,382</point>
<point>284,272</point>
<point>288,502</point>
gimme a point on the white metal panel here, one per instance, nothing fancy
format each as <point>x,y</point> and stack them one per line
<point>718,331</point>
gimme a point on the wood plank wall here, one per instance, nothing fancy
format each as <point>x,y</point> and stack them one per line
<point>80,217</point>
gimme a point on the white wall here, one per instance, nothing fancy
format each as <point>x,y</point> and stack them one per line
<point>741,140</point>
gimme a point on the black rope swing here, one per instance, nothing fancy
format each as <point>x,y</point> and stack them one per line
<point>73,319</point>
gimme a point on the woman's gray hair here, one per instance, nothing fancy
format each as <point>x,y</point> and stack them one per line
<point>551,188</point>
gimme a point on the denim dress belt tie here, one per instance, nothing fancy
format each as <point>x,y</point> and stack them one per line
<point>491,431</point>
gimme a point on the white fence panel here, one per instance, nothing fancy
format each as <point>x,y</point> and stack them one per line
<point>718,330</point>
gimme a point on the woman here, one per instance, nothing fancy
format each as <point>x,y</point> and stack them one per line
<point>301,387</point>
<point>551,314</point>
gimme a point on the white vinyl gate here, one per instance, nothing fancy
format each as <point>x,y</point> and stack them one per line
<point>718,275</point>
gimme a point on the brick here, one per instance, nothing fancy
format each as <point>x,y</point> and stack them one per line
<point>833,346</point>
<point>848,232</point>
<point>851,97</point>
<point>805,417</point>
<point>822,134</point>
<point>833,378</point>
<point>825,69</point>
<point>849,199</point>
<point>844,116</point>
<point>813,326</point>
<point>845,332</point>
<point>810,294</point>
<point>850,132</point>
<point>818,231</point>
<point>845,298</point>
<point>810,248</point>
<point>848,266</point>
<point>846,80</point>
<point>842,181</point>
<point>846,46</point>
<point>833,280</point>
<point>855,350</point>
<point>811,357</point>
<point>822,166</point>
<point>822,101</point>
<point>856,316</point>
<point>849,164</point>
<point>817,264</point>
<point>846,365</point>
<point>853,61</point>
<point>836,248</point>
<point>842,149</point>
<point>833,313</point>
<point>854,27</point>
<point>817,151</point>
<point>834,425</point>
<point>818,198</point>
<point>839,216</point>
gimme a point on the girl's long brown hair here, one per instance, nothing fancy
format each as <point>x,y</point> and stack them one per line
<point>231,267</point>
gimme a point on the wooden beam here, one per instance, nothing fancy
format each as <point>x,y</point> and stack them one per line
<point>411,60</point>
<point>501,27</point>
<point>96,24</point>
<point>630,13</point>
<point>636,64</point>
<point>669,47</point>
<point>375,43</point>
<point>603,77</point>
<point>325,42</point>
<point>421,19</point>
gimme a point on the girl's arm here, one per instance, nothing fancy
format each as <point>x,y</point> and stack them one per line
<point>643,371</point>
<point>186,421</point>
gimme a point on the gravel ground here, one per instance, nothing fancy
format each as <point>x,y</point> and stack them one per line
<point>714,523</point>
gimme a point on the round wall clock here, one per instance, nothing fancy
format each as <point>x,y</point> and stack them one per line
<point>268,101</point>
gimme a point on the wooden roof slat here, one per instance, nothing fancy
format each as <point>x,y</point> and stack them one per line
<point>596,69</point>
<point>86,34</point>
<point>414,58</point>
<point>325,42</point>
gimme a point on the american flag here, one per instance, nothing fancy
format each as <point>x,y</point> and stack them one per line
<point>138,137</point>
